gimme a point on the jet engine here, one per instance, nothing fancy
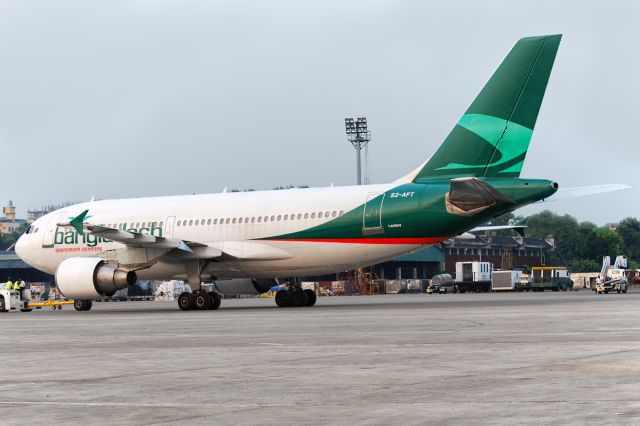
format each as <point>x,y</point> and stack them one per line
<point>91,278</point>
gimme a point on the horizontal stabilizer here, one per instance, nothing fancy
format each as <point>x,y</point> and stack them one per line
<point>583,191</point>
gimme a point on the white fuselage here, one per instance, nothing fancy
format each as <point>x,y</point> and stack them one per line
<point>229,222</point>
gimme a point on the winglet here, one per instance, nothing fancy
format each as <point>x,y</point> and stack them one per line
<point>77,222</point>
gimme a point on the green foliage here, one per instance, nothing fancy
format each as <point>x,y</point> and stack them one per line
<point>629,230</point>
<point>8,240</point>
<point>577,242</point>
<point>585,265</point>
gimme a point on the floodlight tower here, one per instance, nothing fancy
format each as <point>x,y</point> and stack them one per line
<point>359,137</point>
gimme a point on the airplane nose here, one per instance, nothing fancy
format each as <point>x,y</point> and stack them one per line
<point>20,247</point>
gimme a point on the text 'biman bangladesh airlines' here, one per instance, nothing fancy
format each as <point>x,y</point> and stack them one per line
<point>245,241</point>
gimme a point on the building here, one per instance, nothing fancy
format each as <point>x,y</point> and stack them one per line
<point>35,214</point>
<point>8,222</point>
<point>503,252</point>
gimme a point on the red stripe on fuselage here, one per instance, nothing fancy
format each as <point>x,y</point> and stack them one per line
<point>410,241</point>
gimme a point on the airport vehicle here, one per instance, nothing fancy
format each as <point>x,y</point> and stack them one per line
<point>442,283</point>
<point>505,280</point>
<point>11,300</point>
<point>254,238</point>
<point>612,278</point>
<point>473,276</point>
<point>543,278</point>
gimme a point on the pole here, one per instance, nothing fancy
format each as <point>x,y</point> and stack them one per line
<point>358,171</point>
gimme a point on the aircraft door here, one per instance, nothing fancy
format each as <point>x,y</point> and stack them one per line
<point>168,227</point>
<point>48,236</point>
<point>372,215</point>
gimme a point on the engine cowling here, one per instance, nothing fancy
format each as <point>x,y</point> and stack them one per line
<point>91,278</point>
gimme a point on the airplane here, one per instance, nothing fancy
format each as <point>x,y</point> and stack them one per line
<point>246,241</point>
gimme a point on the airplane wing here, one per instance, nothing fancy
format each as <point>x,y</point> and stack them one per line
<point>582,191</point>
<point>497,228</point>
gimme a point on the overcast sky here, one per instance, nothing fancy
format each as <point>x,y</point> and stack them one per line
<point>140,98</point>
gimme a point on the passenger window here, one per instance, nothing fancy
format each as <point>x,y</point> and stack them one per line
<point>202,222</point>
<point>299,216</point>
<point>197,222</point>
<point>279,217</point>
<point>215,221</point>
<point>341,212</point>
<point>227,221</point>
<point>273,218</point>
<point>138,225</point>
<point>306,215</point>
<point>246,220</point>
<point>178,223</point>
<point>191,222</point>
<point>313,215</point>
<point>286,216</point>
<point>326,214</point>
<point>253,220</point>
<point>259,219</point>
<point>234,220</point>
<point>208,221</point>
<point>335,213</point>
<point>161,223</point>
<point>240,220</point>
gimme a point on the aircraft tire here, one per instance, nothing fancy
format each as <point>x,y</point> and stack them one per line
<point>202,301</point>
<point>282,299</point>
<point>297,297</point>
<point>185,301</point>
<point>311,297</point>
<point>216,300</point>
<point>2,305</point>
<point>82,305</point>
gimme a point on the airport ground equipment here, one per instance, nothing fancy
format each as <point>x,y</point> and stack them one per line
<point>473,276</point>
<point>12,300</point>
<point>612,278</point>
<point>505,280</point>
<point>541,278</point>
<point>442,283</point>
<point>54,304</point>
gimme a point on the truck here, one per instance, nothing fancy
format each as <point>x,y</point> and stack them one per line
<point>15,300</point>
<point>612,278</point>
<point>473,276</point>
<point>555,278</point>
<point>442,284</point>
<point>505,280</point>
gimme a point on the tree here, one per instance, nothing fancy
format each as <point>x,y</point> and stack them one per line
<point>8,239</point>
<point>629,230</point>
<point>585,265</point>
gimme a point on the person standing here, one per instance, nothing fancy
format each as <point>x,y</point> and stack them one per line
<point>9,285</point>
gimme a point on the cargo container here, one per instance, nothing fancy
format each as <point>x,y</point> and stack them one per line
<point>505,280</point>
<point>473,276</point>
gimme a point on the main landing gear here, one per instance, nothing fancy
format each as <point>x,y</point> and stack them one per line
<point>199,300</point>
<point>295,297</point>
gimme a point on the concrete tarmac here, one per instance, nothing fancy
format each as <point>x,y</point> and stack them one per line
<point>517,358</point>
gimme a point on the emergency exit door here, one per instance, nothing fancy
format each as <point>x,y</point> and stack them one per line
<point>372,215</point>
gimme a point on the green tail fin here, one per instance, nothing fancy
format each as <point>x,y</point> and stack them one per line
<point>492,137</point>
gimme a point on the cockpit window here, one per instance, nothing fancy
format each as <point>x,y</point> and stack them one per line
<point>28,231</point>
